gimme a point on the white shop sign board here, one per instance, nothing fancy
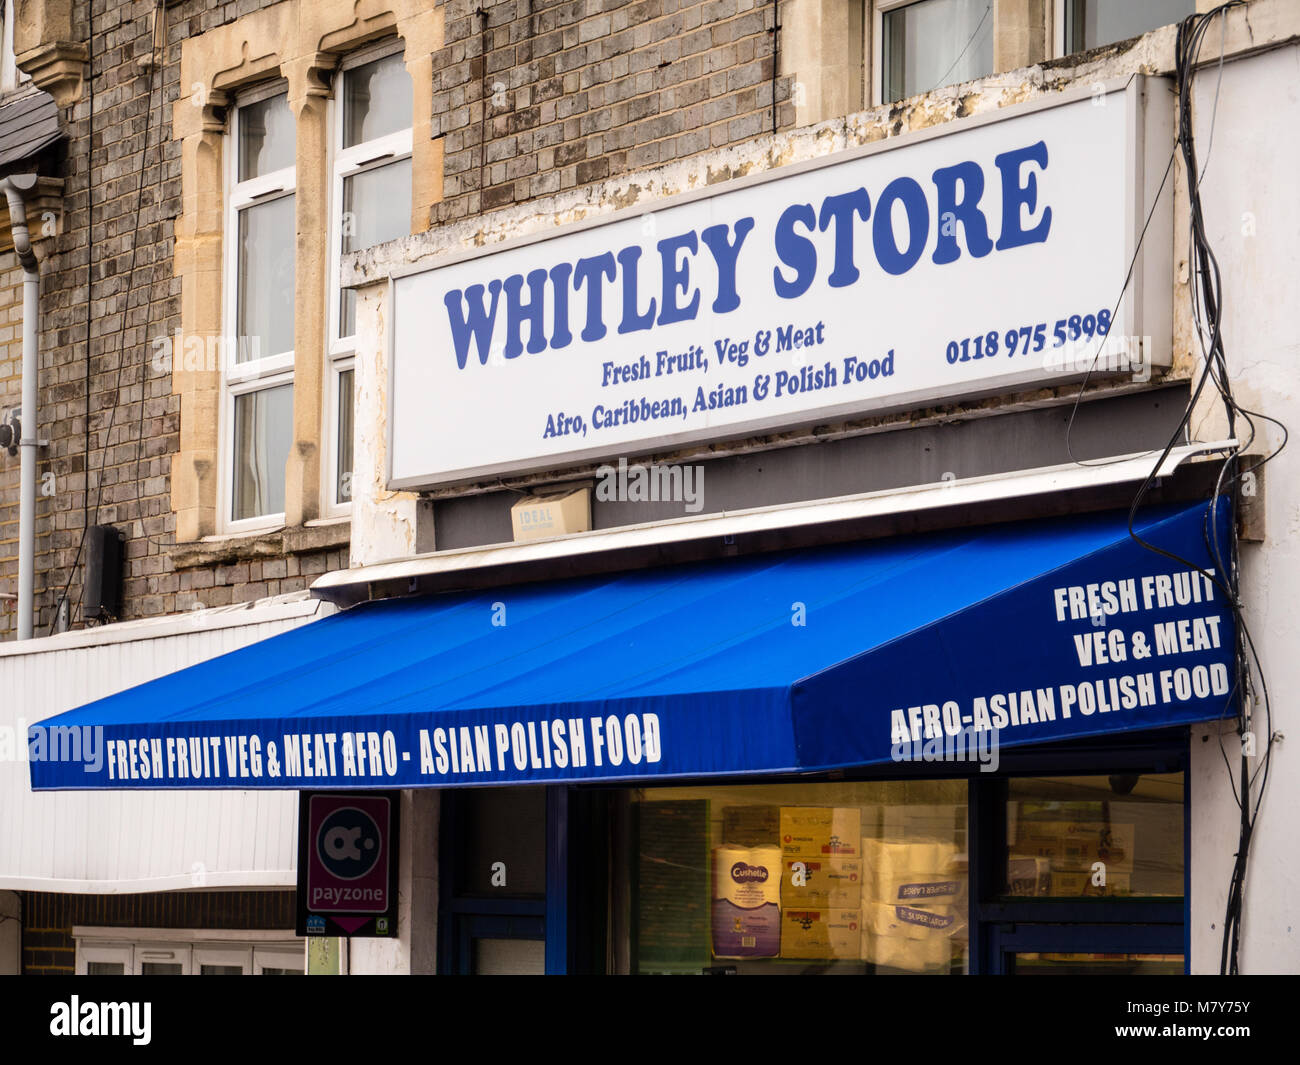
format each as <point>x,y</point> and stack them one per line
<point>877,279</point>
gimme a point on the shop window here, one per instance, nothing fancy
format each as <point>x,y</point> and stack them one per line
<point>1114,836</point>
<point>257,354</point>
<point>159,952</point>
<point>372,204</point>
<point>800,878</point>
<point>1093,23</point>
<point>928,44</point>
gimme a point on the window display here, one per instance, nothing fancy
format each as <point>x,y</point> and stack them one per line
<point>1096,836</point>
<point>836,877</point>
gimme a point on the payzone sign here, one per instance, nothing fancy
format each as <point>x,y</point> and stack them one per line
<point>983,256</point>
<point>347,864</point>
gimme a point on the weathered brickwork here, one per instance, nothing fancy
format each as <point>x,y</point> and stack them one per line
<point>530,97</point>
<point>536,96</point>
<point>121,199</point>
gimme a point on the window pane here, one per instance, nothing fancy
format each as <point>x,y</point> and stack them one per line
<point>1093,23</point>
<point>1095,836</point>
<point>105,968</point>
<point>936,43</point>
<point>376,208</point>
<point>343,484</point>
<point>505,843</point>
<point>221,970</point>
<point>162,968</point>
<point>263,432</point>
<point>265,287</point>
<point>268,970</point>
<point>797,878</point>
<point>376,100</point>
<point>266,137</point>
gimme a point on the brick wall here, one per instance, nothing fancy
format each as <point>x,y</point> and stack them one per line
<point>49,950</point>
<point>535,96</point>
<point>134,420</point>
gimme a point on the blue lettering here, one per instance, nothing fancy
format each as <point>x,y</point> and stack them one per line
<point>474,322</point>
<point>633,321</point>
<point>1015,196</point>
<point>532,312</point>
<point>725,255</point>
<point>560,335</point>
<point>590,272</point>
<point>906,191</point>
<point>966,211</point>
<point>677,275</point>
<point>795,251</point>
<point>840,210</point>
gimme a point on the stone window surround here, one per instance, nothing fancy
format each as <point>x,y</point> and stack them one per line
<point>303,42</point>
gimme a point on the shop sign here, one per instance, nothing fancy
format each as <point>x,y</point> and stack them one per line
<point>984,256</point>
<point>347,864</point>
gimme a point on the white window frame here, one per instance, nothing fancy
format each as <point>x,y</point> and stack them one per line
<point>1056,31</point>
<point>340,353</point>
<point>113,953</point>
<point>242,378</point>
<point>879,9</point>
<point>252,951</point>
<point>11,77</point>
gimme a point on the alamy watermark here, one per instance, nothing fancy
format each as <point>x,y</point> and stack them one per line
<point>966,744</point>
<point>651,484</point>
<point>53,743</point>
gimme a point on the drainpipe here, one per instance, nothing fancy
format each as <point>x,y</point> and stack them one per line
<point>14,186</point>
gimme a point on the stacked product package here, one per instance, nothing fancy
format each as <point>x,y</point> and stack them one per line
<point>821,882</point>
<point>911,902</point>
<point>746,911</point>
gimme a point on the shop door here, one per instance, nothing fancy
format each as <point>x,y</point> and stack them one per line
<point>493,861</point>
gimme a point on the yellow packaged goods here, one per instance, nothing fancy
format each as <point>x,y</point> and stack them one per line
<point>821,883</point>
<point>1077,884</point>
<point>824,934</point>
<point>820,831</point>
<point>899,952</point>
<point>1076,845</point>
<point>752,825</point>
<point>911,870</point>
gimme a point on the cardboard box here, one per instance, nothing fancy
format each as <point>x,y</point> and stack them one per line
<point>824,934</point>
<point>1080,885</point>
<point>820,831</point>
<point>821,883</point>
<point>752,825</point>
<point>541,516</point>
<point>1071,845</point>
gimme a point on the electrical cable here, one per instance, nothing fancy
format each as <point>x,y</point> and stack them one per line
<point>1207,311</point>
<point>121,331</point>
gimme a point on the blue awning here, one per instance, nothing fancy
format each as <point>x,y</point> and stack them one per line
<point>891,650</point>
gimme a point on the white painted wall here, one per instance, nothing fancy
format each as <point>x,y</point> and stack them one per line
<point>1253,225</point>
<point>125,841</point>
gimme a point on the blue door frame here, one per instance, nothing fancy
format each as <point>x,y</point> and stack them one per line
<point>461,919</point>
